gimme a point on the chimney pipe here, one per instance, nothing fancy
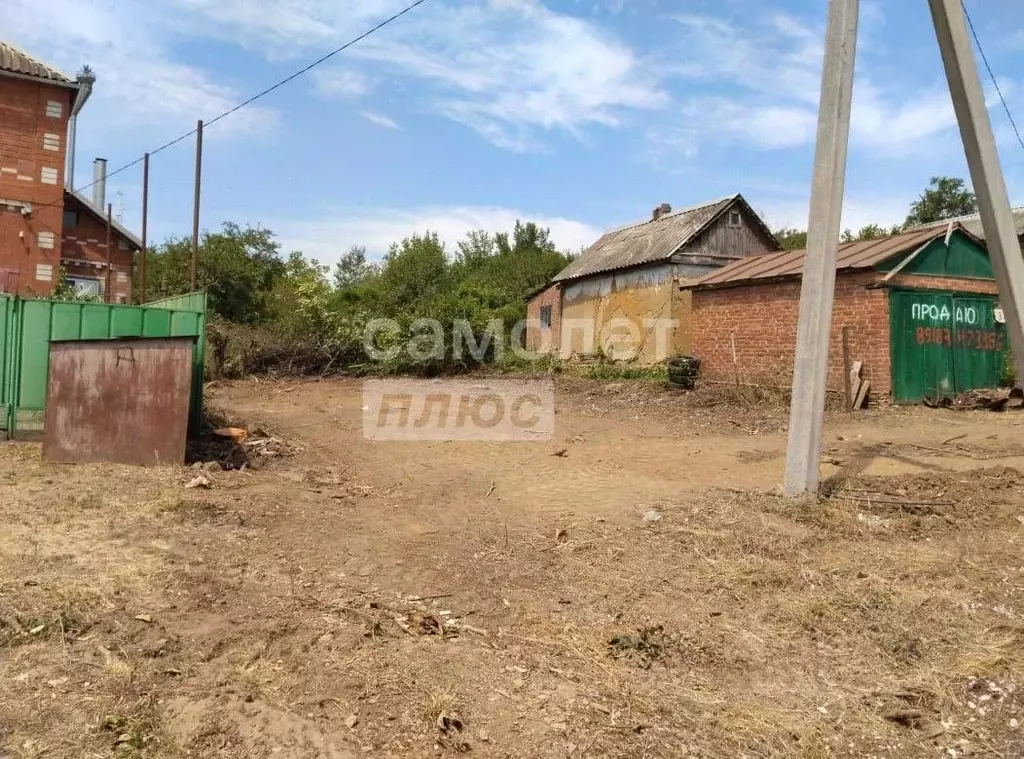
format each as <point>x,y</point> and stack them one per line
<point>99,187</point>
<point>662,210</point>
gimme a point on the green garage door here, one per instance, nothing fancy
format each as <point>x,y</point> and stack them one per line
<point>943,344</point>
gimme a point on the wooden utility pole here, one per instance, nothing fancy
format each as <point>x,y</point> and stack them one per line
<point>817,290</point>
<point>110,220</point>
<point>195,206</point>
<point>983,162</point>
<point>145,222</point>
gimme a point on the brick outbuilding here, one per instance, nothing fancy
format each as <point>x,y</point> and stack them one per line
<point>921,308</point>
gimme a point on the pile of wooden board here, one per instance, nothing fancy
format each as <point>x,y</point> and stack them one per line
<point>858,386</point>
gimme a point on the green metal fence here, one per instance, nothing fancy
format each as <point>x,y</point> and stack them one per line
<point>28,326</point>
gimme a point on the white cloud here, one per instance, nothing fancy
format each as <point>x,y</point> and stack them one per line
<point>285,28</point>
<point>770,69</point>
<point>342,83</point>
<point>380,120</point>
<point>858,211</point>
<point>138,80</point>
<point>327,238</point>
<point>765,126</point>
<point>510,69</point>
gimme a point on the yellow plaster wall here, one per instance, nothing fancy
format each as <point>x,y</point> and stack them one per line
<point>636,304</point>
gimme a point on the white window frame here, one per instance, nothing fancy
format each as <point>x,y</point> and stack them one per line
<point>86,286</point>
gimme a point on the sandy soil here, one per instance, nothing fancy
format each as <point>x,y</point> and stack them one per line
<point>361,598</point>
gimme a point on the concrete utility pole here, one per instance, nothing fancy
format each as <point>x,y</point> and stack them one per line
<point>807,409</point>
<point>983,161</point>
<point>817,290</point>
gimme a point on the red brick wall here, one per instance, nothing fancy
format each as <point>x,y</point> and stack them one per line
<point>23,124</point>
<point>762,320</point>
<point>544,340</point>
<point>88,242</point>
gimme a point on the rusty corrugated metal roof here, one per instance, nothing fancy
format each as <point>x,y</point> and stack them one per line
<point>864,254</point>
<point>17,61</point>
<point>972,223</point>
<point>647,242</point>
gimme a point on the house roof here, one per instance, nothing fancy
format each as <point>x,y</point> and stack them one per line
<point>972,223</point>
<point>863,254</point>
<point>102,216</point>
<point>14,60</point>
<point>649,241</point>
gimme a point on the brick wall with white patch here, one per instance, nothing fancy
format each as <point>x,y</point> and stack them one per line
<point>33,147</point>
<point>84,253</point>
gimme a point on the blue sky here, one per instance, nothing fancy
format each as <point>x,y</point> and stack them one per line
<point>579,114</point>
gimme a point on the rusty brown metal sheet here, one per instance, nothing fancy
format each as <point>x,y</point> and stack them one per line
<point>123,401</point>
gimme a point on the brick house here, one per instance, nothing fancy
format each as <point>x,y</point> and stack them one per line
<point>621,297</point>
<point>544,319</point>
<point>44,225</point>
<point>921,308</point>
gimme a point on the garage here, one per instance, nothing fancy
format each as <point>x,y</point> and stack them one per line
<point>944,343</point>
<point>918,312</point>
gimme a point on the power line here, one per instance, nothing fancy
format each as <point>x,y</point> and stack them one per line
<point>267,91</point>
<point>984,58</point>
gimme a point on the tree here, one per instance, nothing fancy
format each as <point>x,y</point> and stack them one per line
<point>791,239</point>
<point>478,246</point>
<point>945,198</point>
<point>353,269</point>
<point>525,237</point>
<point>237,267</point>
<point>870,232</point>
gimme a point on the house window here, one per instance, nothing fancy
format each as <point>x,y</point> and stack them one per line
<point>54,109</point>
<point>70,219</point>
<point>51,141</point>
<point>85,287</point>
<point>123,244</point>
<point>48,175</point>
<point>545,317</point>
<point>46,240</point>
<point>44,272</point>
<point>735,219</point>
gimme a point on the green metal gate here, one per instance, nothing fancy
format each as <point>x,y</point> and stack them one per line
<point>28,326</point>
<point>943,343</point>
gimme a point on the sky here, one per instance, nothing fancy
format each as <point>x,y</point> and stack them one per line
<point>580,115</point>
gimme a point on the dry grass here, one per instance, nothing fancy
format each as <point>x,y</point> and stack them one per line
<point>255,618</point>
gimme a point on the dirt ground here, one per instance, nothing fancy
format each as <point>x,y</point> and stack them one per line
<point>647,593</point>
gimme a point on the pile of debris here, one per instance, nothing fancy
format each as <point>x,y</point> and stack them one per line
<point>974,400</point>
<point>237,448</point>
